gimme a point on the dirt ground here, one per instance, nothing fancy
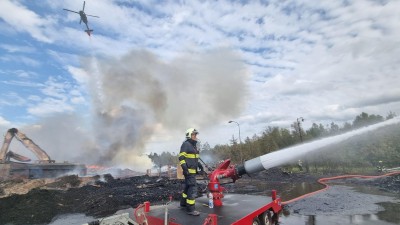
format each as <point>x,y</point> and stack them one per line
<point>103,196</point>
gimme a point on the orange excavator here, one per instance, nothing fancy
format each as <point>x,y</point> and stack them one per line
<point>43,167</point>
<point>6,155</point>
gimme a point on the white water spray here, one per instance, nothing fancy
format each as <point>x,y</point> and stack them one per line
<point>283,156</point>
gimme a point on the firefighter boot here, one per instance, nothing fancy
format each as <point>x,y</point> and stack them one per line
<point>193,213</point>
<point>182,204</point>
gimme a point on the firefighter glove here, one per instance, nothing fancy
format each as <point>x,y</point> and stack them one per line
<point>201,167</point>
<point>185,170</point>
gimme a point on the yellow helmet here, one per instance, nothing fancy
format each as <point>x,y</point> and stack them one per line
<point>191,131</point>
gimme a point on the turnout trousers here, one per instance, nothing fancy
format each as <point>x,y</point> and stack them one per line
<point>189,193</point>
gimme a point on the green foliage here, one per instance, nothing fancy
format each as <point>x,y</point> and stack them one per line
<point>364,120</point>
<point>364,151</point>
<point>358,154</point>
<point>163,159</point>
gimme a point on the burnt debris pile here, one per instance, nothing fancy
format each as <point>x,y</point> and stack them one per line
<point>391,183</point>
<point>102,198</point>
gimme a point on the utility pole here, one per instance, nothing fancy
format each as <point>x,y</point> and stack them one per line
<point>240,141</point>
<point>299,120</point>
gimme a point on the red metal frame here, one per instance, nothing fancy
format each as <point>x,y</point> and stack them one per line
<point>275,206</point>
<point>157,221</point>
<point>139,213</point>
<point>212,219</point>
<point>224,170</point>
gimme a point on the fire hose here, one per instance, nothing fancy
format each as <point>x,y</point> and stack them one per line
<point>324,180</point>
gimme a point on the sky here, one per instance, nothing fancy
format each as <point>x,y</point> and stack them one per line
<point>152,69</point>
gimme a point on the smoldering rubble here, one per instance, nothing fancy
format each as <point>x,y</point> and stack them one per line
<point>100,196</point>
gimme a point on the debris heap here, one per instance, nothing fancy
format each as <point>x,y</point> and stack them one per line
<point>101,198</point>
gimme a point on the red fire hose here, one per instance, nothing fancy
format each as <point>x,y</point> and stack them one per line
<point>325,179</point>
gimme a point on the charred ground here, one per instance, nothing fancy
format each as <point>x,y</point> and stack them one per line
<point>102,198</point>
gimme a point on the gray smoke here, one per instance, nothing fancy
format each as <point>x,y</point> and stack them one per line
<point>135,95</point>
<point>138,92</point>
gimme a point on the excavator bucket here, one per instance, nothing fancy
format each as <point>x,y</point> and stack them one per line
<point>18,157</point>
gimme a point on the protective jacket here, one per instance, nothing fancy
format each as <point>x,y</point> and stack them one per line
<point>189,157</point>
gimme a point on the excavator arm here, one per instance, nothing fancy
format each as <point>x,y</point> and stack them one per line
<point>27,142</point>
<point>6,144</point>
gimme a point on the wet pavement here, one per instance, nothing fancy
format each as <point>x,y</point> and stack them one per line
<point>367,219</point>
<point>345,205</point>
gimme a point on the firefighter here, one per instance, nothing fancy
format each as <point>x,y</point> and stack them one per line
<point>380,166</point>
<point>189,161</point>
<point>300,165</point>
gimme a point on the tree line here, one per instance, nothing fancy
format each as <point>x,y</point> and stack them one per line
<point>359,153</point>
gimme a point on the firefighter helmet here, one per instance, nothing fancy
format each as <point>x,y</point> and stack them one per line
<point>191,131</point>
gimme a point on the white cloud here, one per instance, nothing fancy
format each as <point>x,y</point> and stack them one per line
<point>12,99</point>
<point>20,59</point>
<point>19,73</point>
<point>63,58</point>
<point>54,88</point>
<point>23,83</point>
<point>337,68</point>
<point>17,48</point>
<point>78,100</point>
<point>49,106</point>
<point>25,74</point>
<point>58,96</point>
<point>34,98</point>
<point>76,97</point>
<point>4,122</point>
<point>80,75</point>
<point>24,20</point>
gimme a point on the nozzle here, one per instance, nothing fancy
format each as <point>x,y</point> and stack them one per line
<point>240,170</point>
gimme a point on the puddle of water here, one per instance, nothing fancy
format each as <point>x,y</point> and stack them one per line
<point>285,190</point>
<point>368,219</point>
<point>391,212</point>
<point>71,219</point>
<point>366,205</point>
<point>294,190</point>
<point>78,218</point>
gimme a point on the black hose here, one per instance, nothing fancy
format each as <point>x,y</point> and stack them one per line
<point>209,168</point>
<point>240,170</point>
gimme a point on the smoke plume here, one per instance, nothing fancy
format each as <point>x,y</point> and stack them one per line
<point>138,93</point>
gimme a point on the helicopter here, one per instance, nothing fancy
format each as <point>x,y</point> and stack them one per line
<point>83,18</point>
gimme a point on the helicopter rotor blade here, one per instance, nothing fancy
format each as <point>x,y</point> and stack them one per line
<point>70,11</point>
<point>83,9</point>
<point>92,16</point>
